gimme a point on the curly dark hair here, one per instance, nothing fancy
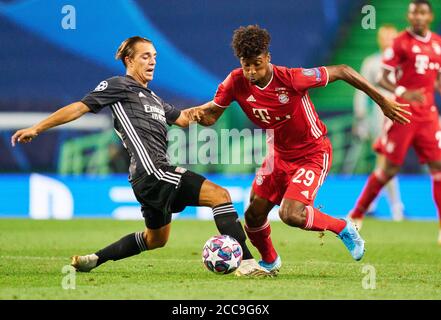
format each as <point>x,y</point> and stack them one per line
<point>251,41</point>
<point>427,2</point>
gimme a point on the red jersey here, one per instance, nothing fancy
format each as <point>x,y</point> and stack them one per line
<point>282,105</point>
<point>416,62</point>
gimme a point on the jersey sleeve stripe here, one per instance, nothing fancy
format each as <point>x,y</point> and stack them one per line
<point>327,76</point>
<point>387,67</point>
<point>223,107</point>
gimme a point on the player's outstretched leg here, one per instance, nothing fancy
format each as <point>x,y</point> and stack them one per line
<point>393,195</point>
<point>129,245</point>
<point>435,171</point>
<point>297,214</point>
<point>375,183</point>
<point>228,223</point>
<point>258,230</point>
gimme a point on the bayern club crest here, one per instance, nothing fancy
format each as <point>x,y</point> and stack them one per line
<point>283,98</point>
<point>259,180</point>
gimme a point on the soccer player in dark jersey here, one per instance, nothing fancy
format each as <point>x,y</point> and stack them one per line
<point>276,97</point>
<point>415,59</point>
<point>140,120</point>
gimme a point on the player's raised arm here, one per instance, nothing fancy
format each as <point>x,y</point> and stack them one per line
<point>391,109</point>
<point>206,115</point>
<point>400,91</point>
<point>63,115</point>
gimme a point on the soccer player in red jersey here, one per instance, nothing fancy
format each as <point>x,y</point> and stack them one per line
<point>415,58</point>
<point>275,97</point>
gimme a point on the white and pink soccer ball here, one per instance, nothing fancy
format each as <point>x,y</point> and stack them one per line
<point>222,254</point>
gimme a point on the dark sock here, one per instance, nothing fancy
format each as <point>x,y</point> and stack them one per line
<point>127,246</point>
<point>228,223</point>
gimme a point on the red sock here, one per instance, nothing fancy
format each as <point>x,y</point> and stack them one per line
<point>319,221</point>
<point>436,176</point>
<point>261,239</point>
<point>375,183</point>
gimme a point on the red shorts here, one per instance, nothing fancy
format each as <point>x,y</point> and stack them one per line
<point>297,179</point>
<point>396,139</point>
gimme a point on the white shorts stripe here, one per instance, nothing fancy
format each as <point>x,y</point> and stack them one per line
<point>167,180</point>
<point>173,176</point>
<point>325,168</point>
<point>323,173</point>
<point>176,180</point>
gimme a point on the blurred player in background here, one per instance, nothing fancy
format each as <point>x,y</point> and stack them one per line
<point>275,97</point>
<point>140,120</point>
<point>369,119</point>
<point>415,59</point>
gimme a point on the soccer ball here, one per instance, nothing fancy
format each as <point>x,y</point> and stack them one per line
<point>222,254</point>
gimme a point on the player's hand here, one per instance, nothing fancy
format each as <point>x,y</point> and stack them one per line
<point>414,96</point>
<point>196,114</point>
<point>24,136</point>
<point>394,111</point>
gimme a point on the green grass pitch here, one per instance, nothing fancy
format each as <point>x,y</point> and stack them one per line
<point>404,256</point>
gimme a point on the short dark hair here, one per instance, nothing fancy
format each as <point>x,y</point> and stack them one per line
<point>251,41</point>
<point>422,2</point>
<point>127,48</point>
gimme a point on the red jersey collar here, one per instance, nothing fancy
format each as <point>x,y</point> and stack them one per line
<point>269,82</point>
<point>426,39</point>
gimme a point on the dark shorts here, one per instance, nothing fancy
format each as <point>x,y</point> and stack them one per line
<point>159,198</point>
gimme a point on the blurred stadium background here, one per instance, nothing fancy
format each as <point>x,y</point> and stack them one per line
<point>80,170</point>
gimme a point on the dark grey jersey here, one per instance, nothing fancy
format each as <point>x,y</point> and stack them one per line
<point>140,120</point>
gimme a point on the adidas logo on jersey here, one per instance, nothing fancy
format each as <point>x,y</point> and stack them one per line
<point>416,49</point>
<point>251,99</point>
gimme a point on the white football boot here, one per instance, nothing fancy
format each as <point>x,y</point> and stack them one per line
<point>84,263</point>
<point>250,268</point>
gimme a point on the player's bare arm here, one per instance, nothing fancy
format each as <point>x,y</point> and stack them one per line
<point>438,83</point>
<point>206,115</point>
<point>408,95</point>
<point>66,114</point>
<point>391,109</point>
